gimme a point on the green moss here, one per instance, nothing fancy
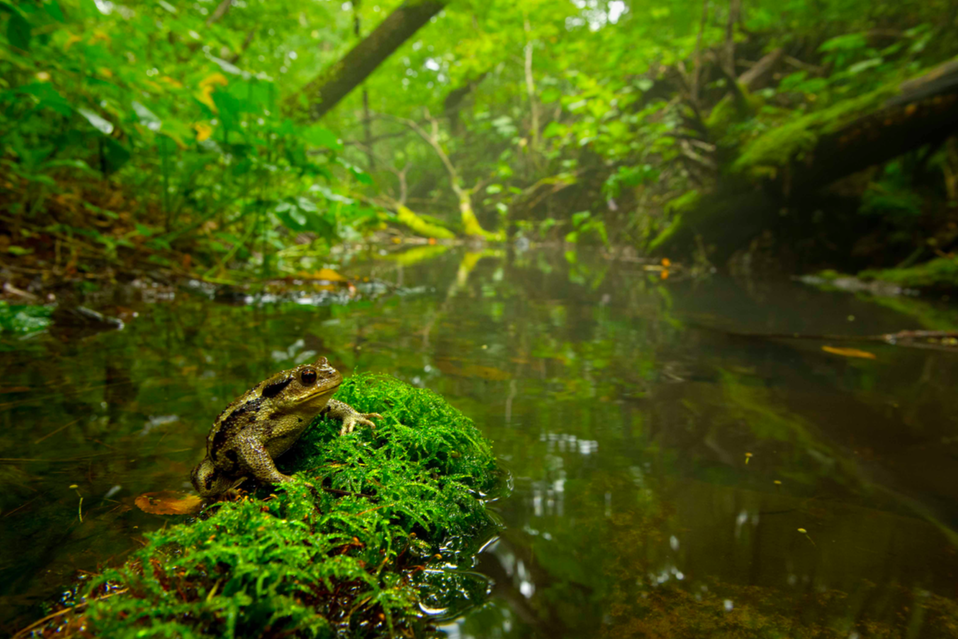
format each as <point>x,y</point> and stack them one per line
<point>23,319</point>
<point>352,553</point>
<point>939,273</point>
<point>784,143</point>
<point>420,225</point>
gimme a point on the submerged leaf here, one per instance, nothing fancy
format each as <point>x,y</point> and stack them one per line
<point>169,502</point>
<point>849,352</point>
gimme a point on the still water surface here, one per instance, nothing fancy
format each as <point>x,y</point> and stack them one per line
<point>670,479</point>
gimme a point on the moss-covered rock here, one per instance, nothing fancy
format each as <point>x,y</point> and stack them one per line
<point>357,546</point>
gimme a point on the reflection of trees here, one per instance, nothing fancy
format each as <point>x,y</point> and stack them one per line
<point>622,427</point>
<point>609,369</point>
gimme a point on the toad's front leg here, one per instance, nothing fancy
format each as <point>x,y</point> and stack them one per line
<point>349,416</point>
<point>256,460</point>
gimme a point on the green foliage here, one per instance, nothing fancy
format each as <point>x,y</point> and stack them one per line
<point>788,141</point>
<point>342,555</point>
<point>892,197</point>
<point>23,319</point>
<point>585,224</point>
<point>129,94</point>
<point>189,109</point>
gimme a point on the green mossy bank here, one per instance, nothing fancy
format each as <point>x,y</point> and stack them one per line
<point>362,552</point>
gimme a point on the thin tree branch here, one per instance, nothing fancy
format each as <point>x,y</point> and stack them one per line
<point>697,57</point>
<point>219,12</point>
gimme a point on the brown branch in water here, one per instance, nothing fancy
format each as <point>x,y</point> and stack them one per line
<point>25,631</point>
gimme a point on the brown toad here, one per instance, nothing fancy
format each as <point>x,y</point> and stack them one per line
<point>265,422</point>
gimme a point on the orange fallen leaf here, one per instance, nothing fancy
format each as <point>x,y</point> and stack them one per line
<point>169,502</point>
<point>849,352</point>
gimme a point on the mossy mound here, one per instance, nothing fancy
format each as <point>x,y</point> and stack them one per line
<point>353,553</point>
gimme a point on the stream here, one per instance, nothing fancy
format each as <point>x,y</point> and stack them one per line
<point>669,478</point>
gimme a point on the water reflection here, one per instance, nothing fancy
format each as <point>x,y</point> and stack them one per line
<point>663,469</point>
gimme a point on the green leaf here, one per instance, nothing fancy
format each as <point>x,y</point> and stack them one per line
<point>47,97</point>
<point>103,126</point>
<point>848,42</point>
<point>580,217</point>
<point>362,177</point>
<point>554,129</point>
<point>329,195</point>
<point>53,10</point>
<point>230,108</point>
<point>147,117</point>
<point>292,216</point>
<point>318,136</point>
<point>864,65</point>
<point>115,155</point>
<point>550,95</point>
<point>18,31</point>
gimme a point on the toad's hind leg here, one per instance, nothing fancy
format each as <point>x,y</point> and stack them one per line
<point>349,416</point>
<point>254,457</point>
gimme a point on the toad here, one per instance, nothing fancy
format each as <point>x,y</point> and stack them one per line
<point>265,422</point>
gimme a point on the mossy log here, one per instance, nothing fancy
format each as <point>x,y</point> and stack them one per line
<point>793,161</point>
<point>358,545</point>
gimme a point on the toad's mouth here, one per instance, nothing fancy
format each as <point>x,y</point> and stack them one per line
<point>325,392</point>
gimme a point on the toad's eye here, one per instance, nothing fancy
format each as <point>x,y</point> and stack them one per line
<point>308,377</point>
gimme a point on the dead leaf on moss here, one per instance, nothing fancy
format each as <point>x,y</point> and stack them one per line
<point>849,352</point>
<point>169,502</point>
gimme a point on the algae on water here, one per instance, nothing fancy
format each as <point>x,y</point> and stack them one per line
<point>361,550</point>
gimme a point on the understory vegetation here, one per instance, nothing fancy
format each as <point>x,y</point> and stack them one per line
<point>223,141</point>
<point>376,527</point>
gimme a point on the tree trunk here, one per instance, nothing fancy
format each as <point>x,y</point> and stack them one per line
<point>351,70</point>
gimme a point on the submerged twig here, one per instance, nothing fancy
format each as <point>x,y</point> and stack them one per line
<point>25,631</point>
<point>901,338</point>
